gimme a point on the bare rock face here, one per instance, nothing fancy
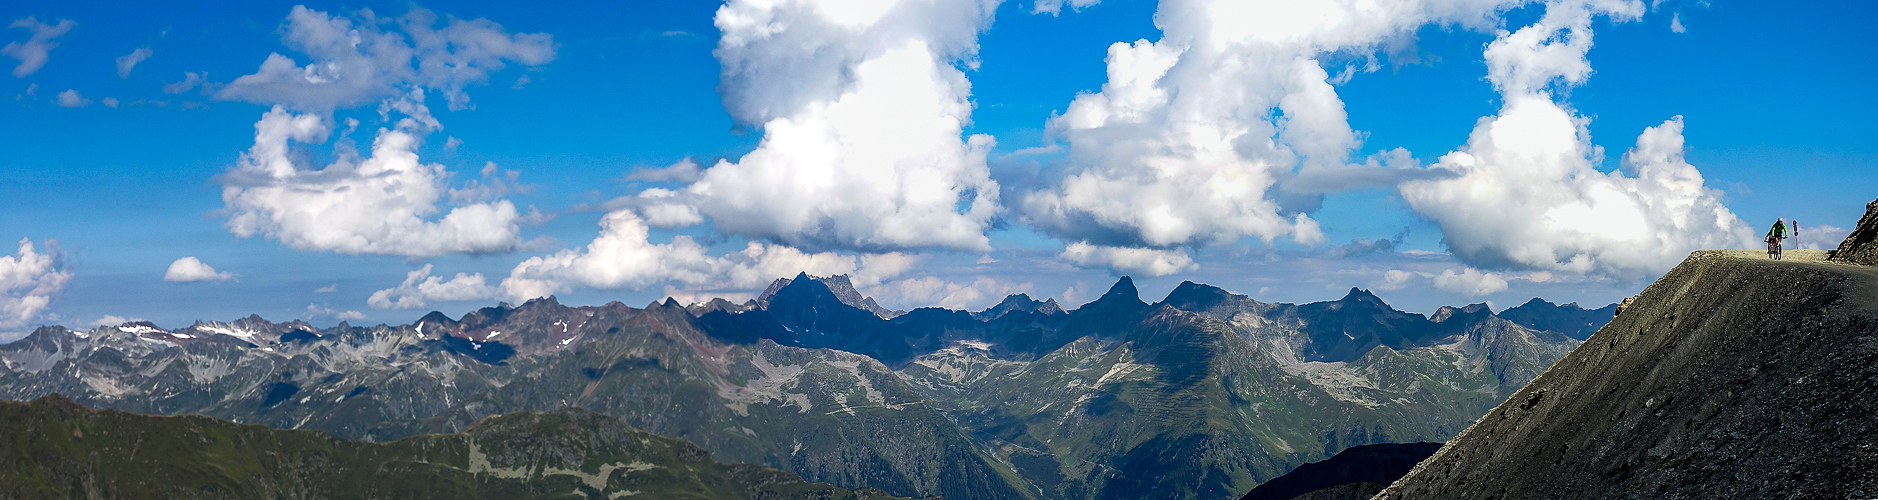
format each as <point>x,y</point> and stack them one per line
<point>1861,247</point>
<point>1727,378</point>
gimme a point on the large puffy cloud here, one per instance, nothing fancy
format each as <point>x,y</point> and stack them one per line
<point>419,289</point>
<point>1226,127</point>
<point>623,257</point>
<point>32,53</point>
<point>189,269</point>
<point>390,202</point>
<point>357,63</point>
<point>1529,197</point>
<point>862,112</point>
<point>382,204</point>
<point>29,280</point>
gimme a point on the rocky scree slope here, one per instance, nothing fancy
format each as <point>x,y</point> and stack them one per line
<point>58,448</point>
<point>1729,377</point>
<point>1202,395</point>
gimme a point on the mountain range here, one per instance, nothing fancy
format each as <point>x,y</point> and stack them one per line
<point>1201,395</point>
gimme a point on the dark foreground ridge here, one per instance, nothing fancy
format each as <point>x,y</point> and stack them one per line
<point>1730,377</point>
<point>1358,472</point>
<point>57,448</point>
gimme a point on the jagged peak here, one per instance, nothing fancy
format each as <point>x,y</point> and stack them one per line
<point>1124,289</point>
<point>837,286</point>
<point>1015,303</point>
<point>1192,296</point>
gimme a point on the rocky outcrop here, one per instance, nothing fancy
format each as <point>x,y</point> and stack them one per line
<point>1728,378</point>
<point>1861,247</point>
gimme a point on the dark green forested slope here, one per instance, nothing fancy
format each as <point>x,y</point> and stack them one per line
<point>56,448</point>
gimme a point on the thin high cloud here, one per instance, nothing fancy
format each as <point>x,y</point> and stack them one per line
<point>33,52</point>
<point>129,61</point>
<point>389,202</point>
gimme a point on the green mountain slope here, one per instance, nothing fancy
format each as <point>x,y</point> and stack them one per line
<point>56,448</point>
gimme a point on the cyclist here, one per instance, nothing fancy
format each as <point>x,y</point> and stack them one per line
<point>1774,235</point>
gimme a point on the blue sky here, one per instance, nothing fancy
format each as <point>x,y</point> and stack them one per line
<point>942,152</point>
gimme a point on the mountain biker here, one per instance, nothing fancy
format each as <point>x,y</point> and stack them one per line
<point>1774,235</point>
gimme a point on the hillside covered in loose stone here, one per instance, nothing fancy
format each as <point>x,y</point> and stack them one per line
<point>1732,376</point>
<point>57,448</point>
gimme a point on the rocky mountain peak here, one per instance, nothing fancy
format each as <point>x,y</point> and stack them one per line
<point>1190,296</point>
<point>1122,292</point>
<point>1570,319</point>
<point>837,286</point>
<point>1470,311</point>
<point>1361,296</point>
<point>1018,303</point>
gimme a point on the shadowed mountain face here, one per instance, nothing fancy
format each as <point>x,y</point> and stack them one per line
<point>1569,319</point>
<point>57,448</point>
<point>1368,467</point>
<point>1729,377</point>
<point>1202,395</point>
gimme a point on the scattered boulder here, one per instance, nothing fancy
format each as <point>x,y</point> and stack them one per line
<point>1861,247</point>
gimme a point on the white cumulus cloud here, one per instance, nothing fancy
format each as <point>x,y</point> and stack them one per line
<point>1147,261</point>
<point>1227,127</point>
<point>383,204</point>
<point>1528,195</point>
<point>71,99</point>
<point>355,63</point>
<point>188,269</point>
<point>32,53</point>
<point>932,291</point>
<point>419,289</point>
<point>623,257</point>
<point>29,280</point>
<point>128,61</point>
<point>862,110</point>
<point>1470,282</point>
<point>390,202</point>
